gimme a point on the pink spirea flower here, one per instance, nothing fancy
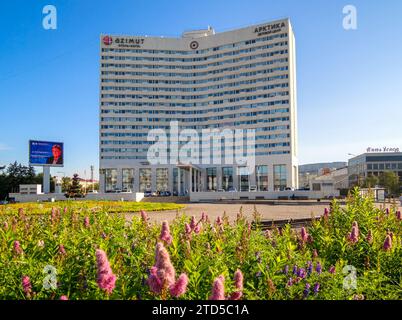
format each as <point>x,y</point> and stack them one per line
<point>63,298</point>
<point>388,243</point>
<point>65,210</point>
<point>398,215</point>
<point>315,253</point>
<point>332,269</point>
<point>303,234</point>
<point>86,222</point>
<point>62,250</point>
<point>180,287</point>
<point>354,235</point>
<point>218,289</point>
<point>238,282</point>
<point>198,227</point>
<point>267,234</point>
<point>193,223</point>
<point>203,217</point>
<point>187,228</point>
<point>219,221</point>
<point>26,286</point>
<point>387,211</point>
<point>144,216</point>
<point>17,247</point>
<point>162,274</point>
<point>165,233</point>
<point>105,278</point>
<point>326,213</point>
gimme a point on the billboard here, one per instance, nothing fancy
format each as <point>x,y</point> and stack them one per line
<point>46,153</point>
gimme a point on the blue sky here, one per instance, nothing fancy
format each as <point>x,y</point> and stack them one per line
<point>349,82</point>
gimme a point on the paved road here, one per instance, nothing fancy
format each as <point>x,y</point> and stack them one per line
<point>269,212</point>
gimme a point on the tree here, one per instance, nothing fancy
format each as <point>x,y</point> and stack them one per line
<point>371,182</point>
<point>75,189</point>
<point>390,181</point>
<point>65,183</point>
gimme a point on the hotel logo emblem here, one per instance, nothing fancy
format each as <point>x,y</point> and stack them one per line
<point>107,40</point>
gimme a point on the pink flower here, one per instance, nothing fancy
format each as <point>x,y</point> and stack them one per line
<point>26,286</point>
<point>5,225</point>
<point>238,280</point>
<point>219,221</point>
<point>332,269</point>
<point>86,222</point>
<point>187,228</point>
<point>164,269</point>
<point>198,227</point>
<point>304,234</point>
<point>267,234</point>
<point>203,217</point>
<point>193,223</point>
<point>105,278</point>
<point>63,298</point>
<point>144,216</point>
<point>62,250</point>
<point>326,213</point>
<point>17,248</point>
<point>165,233</point>
<point>65,211</point>
<point>354,235</point>
<point>388,243</point>
<point>218,289</point>
<point>315,253</point>
<point>180,287</point>
<point>162,275</point>
<point>398,215</point>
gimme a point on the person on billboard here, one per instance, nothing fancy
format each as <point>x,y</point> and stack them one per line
<point>57,157</point>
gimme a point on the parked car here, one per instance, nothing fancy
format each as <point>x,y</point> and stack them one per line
<point>220,190</point>
<point>232,189</point>
<point>166,193</point>
<point>175,194</point>
<point>117,190</point>
<point>252,188</point>
<point>147,193</point>
<point>154,194</point>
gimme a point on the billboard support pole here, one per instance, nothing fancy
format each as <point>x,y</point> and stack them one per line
<point>46,179</point>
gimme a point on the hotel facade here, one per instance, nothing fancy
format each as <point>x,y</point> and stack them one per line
<point>239,79</point>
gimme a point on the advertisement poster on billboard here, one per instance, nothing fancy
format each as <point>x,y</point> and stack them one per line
<point>46,153</point>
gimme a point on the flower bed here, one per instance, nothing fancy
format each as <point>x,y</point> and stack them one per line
<point>73,253</point>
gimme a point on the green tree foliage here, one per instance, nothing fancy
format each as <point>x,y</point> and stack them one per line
<point>390,181</point>
<point>75,189</point>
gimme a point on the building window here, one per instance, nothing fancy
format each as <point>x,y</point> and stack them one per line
<point>227,178</point>
<point>381,166</point>
<point>280,177</point>
<point>243,174</point>
<point>110,180</point>
<point>211,179</point>
<point>128,179</point>
<point>145,180</point>
<point>369,166</point>
<point>162,179</point>
<point>316,187</point>
<point>262,178</point>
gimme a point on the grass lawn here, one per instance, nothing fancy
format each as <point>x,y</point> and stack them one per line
<point>105,206</point>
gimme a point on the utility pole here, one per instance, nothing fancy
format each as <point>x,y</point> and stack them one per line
<point>92,177</point>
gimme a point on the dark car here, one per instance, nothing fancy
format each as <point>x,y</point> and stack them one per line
<point>147,193</point>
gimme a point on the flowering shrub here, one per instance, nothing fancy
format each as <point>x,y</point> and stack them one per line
<point>95,255</point>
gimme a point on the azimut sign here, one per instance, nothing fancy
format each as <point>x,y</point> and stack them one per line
<point>383,149</point>
<point>269,28</point>
<point>123,42</point>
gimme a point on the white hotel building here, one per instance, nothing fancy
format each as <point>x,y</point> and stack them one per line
<point>239,79</point>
